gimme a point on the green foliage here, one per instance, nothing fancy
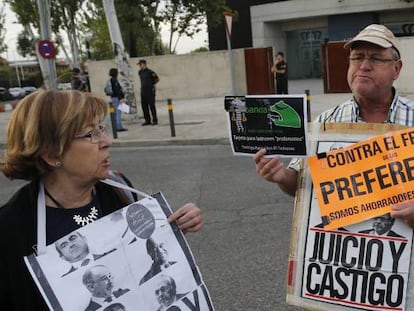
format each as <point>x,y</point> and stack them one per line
<point>64,76</point>
<point>25,46</point>
<point>8,77</point>
<point>214,10</point>
<point>3,45</point>
<point>33,79</point>
<point>63,14</point>
<point>4,76</point>
<point>200,50</point>
<point>26,11</point>
<point>99,40</point>
<point>137,34</point>
<point>139,21</point>
<point>186,17</point>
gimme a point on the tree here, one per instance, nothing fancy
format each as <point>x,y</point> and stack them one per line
<point>63,16</point>
<point>186,17</point>
<point>26,11</point>
<point>140,21</point>
<point>96,30</point>
<point>27,14</point>
<point>200,50</point>
<point>134,27</point>
<point>137,32</point>
<point>25,45</point>
<point>3,46</point>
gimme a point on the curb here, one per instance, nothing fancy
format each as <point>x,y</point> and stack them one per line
<point>162,143</point>
<point>8,106</point>
<point>170,142</point>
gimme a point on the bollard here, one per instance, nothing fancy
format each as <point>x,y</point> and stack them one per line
<point>308,105</point>
<point>170,113</point>
<point>113,120</point>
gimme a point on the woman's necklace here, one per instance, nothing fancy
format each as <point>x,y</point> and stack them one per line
<point>80,220</point>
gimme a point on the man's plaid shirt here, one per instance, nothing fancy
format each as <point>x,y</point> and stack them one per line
<point>401,112</point>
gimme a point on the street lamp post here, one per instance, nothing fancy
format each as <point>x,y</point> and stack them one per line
<point>228,18</point>
<point>121,55</point>
<point>48,66</point>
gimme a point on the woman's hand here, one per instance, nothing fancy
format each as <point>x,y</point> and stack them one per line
<point>188,218</point>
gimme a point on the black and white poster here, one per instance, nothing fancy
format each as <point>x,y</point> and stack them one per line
<point>363,266</point>
<point>277,123</point>
<point>132,259</point>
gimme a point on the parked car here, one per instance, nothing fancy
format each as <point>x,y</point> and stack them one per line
<point>17,92</point>
<point>4,94</point>
<point>29,89</point>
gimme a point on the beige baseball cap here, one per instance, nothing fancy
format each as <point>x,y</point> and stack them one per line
<point>376,34</point>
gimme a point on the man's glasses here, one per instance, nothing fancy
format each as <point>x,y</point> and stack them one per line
<point>95,134</point>
<point>107,277</point>
<point>373,60</point>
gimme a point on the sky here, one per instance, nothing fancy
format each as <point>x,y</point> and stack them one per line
<point>185,44</point>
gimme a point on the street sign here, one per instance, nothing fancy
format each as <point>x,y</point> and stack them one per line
<point>228,17</point>
<point>47,49</point>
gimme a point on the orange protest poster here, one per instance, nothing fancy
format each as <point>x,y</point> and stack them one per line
<point>366,265</point>
<point>365,179</point>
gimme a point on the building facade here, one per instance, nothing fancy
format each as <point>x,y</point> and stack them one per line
<point>299,27</point>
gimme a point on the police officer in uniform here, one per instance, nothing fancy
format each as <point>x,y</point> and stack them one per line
<point>148,80</point>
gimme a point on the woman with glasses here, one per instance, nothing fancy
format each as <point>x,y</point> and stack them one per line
<point>55,140</point>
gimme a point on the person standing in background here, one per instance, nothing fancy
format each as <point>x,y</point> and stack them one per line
<point>148,80</point>
<point>280,71</point>
<point>116,96</point>
<point>77,83</point>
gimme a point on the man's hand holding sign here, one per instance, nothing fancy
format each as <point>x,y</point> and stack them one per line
<point>364,180</point>
<point>346,263</point>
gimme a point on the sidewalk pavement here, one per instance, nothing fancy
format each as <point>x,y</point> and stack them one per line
<point>197,121</point>
<point>203,121</point>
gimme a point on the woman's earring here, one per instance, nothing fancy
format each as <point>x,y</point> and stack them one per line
<point>58,164</point>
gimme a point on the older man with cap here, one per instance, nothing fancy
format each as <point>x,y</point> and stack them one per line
<point>148,79</point>
<point>374,64</point>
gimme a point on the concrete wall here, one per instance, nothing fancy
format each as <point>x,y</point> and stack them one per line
<point>187,76</point>
<point>404,83</point>
<point>337,20</point>
<point>207,74</point>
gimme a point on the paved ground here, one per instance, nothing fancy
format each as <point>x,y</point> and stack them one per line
<point>197,121</point>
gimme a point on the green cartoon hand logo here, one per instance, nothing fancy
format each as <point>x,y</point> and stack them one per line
<point>284,115</point>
